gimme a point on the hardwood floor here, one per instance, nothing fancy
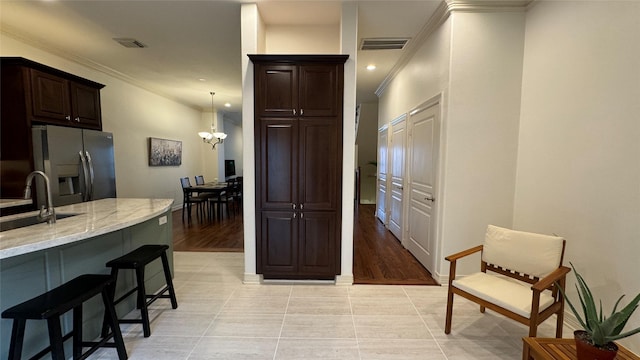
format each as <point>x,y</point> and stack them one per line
<point>225,235</point>
<point>379,258</point>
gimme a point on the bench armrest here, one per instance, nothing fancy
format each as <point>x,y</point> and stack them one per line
<point>464,253</point>
<point>557,275</point>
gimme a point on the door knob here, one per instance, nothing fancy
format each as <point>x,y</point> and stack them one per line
<point>430,198</point>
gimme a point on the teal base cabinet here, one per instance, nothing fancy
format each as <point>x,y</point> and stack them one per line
<point>26,276</point>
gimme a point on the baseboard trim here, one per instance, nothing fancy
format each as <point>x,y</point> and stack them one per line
<point>344,280</point>
<point>252,279</point>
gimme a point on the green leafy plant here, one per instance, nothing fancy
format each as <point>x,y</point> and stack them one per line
<point>600,328</point>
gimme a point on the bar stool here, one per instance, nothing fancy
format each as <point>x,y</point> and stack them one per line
<point>54,303</point>
<point>137,260</point>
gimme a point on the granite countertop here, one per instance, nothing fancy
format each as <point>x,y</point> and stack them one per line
<point>7,203</point>
<point>94,218</point>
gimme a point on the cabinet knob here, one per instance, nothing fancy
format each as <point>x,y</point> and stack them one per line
<point>294,111</point>
<point>301,111</point>
<point>77,119</point>
<point>68,117</point>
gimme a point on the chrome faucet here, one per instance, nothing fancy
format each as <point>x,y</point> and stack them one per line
<point>50,213</point>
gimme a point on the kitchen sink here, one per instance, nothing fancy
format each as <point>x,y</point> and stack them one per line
<point>27,221</point>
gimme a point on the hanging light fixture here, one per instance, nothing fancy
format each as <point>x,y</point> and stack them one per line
<point>214,138</point>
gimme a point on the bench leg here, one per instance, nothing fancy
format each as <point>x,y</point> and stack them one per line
<point>167,276</point>
<point>77,331</point>
<point>112,319</point>
<point>142,302</point>
<point>17,338</point>
<point>55,338</point>
<point>111,291</point>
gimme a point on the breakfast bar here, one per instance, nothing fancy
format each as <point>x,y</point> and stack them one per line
<point>40,257</point>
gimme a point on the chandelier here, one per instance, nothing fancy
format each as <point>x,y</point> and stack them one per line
<point>214,138</point>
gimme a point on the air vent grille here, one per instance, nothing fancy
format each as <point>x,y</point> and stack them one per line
<point>384,43</point>
<point>130,43</point>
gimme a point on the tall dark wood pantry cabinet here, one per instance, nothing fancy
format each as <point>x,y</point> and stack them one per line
<point>298,133</point>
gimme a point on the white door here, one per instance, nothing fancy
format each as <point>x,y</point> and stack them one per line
<point>381,196</point>
<point>421,183</point>
<point>396,166</point>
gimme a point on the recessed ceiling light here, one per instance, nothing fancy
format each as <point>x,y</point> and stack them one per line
<point>371,67</point>
<point>227,105</point>
<point>202,79</point>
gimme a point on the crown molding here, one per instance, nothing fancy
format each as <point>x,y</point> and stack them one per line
<point>36,43</point>
<point>487,5</point>
<point>441,14</point>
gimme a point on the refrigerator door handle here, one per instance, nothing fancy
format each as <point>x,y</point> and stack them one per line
<point>83,163</point>
<point>91,176</point>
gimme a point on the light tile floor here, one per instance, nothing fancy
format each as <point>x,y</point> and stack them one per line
<point>218,317</point>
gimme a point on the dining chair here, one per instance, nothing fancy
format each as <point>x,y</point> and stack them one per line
<point>235,189</point>
<point>223,199</point>
<point>199,180</point>
<point>189,199</point>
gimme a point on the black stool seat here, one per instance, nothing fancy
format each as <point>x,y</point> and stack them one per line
<point>54,303</point>
<point>137,260</point>
<point>139,257</point>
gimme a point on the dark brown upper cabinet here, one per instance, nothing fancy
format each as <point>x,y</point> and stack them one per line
<point>303,88</point>
<point>33,93</point>
<point>62,101</point>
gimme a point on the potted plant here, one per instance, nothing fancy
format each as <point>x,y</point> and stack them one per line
<point>596,341</point>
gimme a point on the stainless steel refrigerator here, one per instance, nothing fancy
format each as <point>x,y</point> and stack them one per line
<point>79,163</point>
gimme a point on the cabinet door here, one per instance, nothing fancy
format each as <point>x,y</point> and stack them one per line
<point>317,244</point>
<point>277,244</point>
<point>320,90</point>
<point>50,96</point>
<point>85,103</point>
<point>278,164</point>
<point>320,164</point>
<point>276,90</point>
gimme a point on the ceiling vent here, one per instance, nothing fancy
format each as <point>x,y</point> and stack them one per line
<point>130,43</point>
<point>384,43</point>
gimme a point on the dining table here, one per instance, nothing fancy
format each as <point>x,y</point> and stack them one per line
<point>213,189</point>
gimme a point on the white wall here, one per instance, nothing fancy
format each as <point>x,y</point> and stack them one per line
<point>481,140</point>
<point>425,76</point>
<point>252,43</point>
<point>367,141</point>
<point>348,46</point>
<point>474,60</point>
<point>579,154</point>
<point>133,115</point>
<point>302,39</point>
<point>233,145</point>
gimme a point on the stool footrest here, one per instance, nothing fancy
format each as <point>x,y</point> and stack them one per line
<point>94,345</point>
<point>46,350</point>
<point>158,295</point>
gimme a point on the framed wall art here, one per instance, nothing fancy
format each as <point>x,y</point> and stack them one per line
<point>163,152</point>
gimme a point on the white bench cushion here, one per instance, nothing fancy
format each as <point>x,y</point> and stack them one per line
<point>524,252</point>
<point>509,294</point>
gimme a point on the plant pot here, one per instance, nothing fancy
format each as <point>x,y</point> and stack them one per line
<point>586,351</point>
